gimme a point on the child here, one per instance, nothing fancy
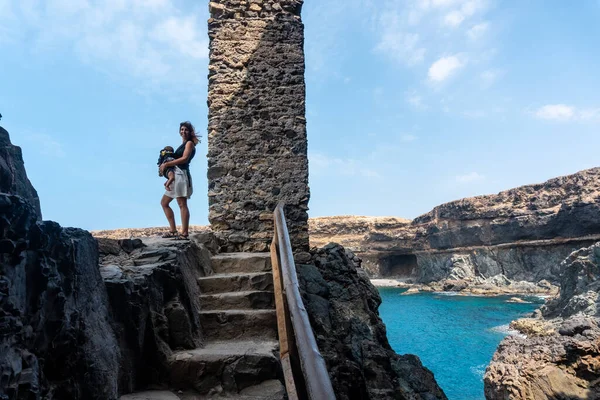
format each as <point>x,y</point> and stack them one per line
<point>167,154</point>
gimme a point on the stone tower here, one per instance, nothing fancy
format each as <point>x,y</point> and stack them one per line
<point>256,122</point>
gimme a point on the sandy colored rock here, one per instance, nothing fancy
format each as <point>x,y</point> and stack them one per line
<point>560,355</point>
<point>533,327</point>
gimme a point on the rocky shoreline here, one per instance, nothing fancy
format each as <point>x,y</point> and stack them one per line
<point>558,355</point>
<point>460,288</point>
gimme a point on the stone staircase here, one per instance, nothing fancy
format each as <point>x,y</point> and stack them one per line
<point>240,358</point>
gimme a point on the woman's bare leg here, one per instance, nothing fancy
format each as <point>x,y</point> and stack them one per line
<point>164,202</point>
<point>185,215</point>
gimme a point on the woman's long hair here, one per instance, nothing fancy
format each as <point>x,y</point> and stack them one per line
<point>191,132</point>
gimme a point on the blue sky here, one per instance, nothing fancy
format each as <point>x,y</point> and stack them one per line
<point>410,103</point>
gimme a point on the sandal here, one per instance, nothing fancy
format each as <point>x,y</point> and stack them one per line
<point>170,235</point>
<point>182,237</point>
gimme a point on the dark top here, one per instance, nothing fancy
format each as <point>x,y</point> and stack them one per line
<point>179,154</point>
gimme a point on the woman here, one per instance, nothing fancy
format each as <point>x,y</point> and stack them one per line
<point>181,188</point>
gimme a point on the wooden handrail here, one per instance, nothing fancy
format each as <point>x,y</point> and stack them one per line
<point>307,378</point>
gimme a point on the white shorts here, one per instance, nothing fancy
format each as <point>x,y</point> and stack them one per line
<point>182,186</point>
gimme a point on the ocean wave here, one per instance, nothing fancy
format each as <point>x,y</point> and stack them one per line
<point>541,296</point>
<point>478,370</point>
<point>506,330</point>
<point>520,300</point>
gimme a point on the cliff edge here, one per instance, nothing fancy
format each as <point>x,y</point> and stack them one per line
<point>513,241</point>
<point>558,355</point>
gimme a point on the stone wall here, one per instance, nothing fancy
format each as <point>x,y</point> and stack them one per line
<point>256,125</point>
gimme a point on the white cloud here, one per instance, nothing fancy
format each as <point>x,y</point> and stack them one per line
<point>401,46</point>
<point>181,34</point>
<point>478,31</point>
<point>469,178</point>
<point>557,112</point>
<point>489,77</point>
<point>408,138</point>
<point>321,164</point>
<point>153,41</point>
<point>466,9</point>
<point>445,67</point>
<point>415,100</point>
<point>454,18</point>
<point>563,113</point>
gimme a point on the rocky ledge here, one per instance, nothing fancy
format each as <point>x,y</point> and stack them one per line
<point>558,355</point>
<point>513,241</point>
<point>343,309</point>
<point>154,303</point>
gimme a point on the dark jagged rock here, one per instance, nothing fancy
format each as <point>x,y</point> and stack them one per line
<point>154,300</point>
<point>560,357</point>
<point>56,341</point>
<point>13,178</point>
<point>343,308</point>
<point>506,242</point>
<point>580,285</point>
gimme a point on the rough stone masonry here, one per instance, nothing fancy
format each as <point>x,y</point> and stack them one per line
<point>256,123</point>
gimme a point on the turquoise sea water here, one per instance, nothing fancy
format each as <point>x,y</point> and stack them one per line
<point>454,336</point>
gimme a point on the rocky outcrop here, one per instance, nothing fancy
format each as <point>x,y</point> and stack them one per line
<point>56,339</point>
<point>343,308</point>
<point>71,329</point>
<point>257,147</point>
<point>510,237</point>
<point>560,355</point>
<point>154,301</point>
<point>13,178</point>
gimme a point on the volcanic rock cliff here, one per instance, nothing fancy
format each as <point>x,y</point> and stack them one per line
<point>72,330</point>
<point>559,356</point>
<point>56,340</point>
<point>517,235</point>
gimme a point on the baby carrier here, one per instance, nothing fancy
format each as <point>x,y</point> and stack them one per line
<point>165,155</point>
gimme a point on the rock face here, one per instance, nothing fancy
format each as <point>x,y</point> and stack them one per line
<point>13,178</point>
<point>257,148</point>
<point>154,301</point>
<point>342,305</point>
<point>514,235</point>
<point>560,356</point>
<point>70,329</point>
<point>56,340</point>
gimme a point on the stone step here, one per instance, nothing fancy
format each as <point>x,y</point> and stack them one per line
<point>241,262</point>
<point>227,367</point>
<point>222,283</point>
<point>271,389</point>
<point>150,395</point>
<point>267,390</point>
<point>239,324</point>
<point>257,300</point>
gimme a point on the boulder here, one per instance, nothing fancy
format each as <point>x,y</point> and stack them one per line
<point>343,309</point>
